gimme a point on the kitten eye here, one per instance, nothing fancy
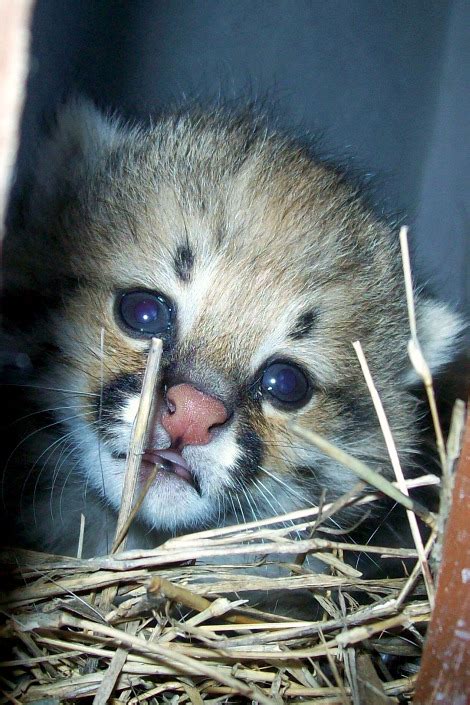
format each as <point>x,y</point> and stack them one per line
<point>285,382</point>
<point>145,312</point>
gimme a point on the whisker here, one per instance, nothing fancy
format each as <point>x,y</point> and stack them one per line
<point>234,511</point>
<point>305,501</point>
<point>263,489</point>
<point>23,440</point>
<point>72,447</point>
<point>50,389</point>
<point>252,509</point>
<point>64,455</point>
<point>241,508</point>
<point>380,524</point>
<point>61,497</point>
<point>287,487</point>
<point>53,408</point>
<point>49,448</point>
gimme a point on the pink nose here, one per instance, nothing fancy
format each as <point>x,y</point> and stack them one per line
<point>191,415</point>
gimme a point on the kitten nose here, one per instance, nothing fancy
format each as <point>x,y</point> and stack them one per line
<point>190,415</point>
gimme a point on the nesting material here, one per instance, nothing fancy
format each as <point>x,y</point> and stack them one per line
<point>180,623</point>
<point>210,645</point>
<point>178,634</point>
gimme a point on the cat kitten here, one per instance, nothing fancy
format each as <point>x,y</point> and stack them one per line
<point>258,267</point>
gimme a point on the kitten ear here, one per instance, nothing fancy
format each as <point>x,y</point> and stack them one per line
<point>440,333</point>
<point>79,138</point>
<point>77,145</point>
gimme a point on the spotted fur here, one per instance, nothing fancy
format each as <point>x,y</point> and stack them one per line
<point>265,253</point>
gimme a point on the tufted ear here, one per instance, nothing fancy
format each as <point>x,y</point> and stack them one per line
<point>441,333</point>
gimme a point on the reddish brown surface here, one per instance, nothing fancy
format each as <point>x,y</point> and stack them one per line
<point>444,678</point>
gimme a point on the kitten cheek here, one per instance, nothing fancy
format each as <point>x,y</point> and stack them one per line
<point>129,410</point>
<point>283,452</point>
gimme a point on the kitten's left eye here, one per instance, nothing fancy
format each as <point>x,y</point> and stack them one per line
<point>286,383</point>
<point>145,312</point>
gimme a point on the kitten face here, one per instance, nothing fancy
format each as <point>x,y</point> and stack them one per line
<point>257,267</point>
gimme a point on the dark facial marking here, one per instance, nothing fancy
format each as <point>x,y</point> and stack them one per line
<point>252,453</point>
<point>115,393</point>
<point>304,325</point>
<point>183,262</point>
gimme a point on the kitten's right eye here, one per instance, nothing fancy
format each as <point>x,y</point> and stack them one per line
<point>145,313</point>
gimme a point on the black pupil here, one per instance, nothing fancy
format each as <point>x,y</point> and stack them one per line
<point>145,312</point>
<point>285,382</point>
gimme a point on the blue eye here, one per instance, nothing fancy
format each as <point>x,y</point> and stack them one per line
<point>145,312</point>
<point>286,383</point>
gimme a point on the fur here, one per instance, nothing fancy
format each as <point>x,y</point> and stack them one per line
<point>266,253</point>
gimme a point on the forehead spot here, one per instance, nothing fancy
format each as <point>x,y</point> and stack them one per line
<point>183,262</point>
<point>304,325</point>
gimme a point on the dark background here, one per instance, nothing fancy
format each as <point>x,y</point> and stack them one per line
<point>384,81</point>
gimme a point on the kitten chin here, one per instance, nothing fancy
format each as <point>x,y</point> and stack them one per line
<point>258,267</point>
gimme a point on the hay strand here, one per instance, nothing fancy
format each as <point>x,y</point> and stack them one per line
<point>145,412</point>
<point>371,477</point>
<point>392,451</point>
<point>414,349</point>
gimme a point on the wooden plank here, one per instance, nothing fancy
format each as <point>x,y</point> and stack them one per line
<point>444,677</point>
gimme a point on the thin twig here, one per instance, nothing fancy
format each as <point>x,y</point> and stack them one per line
<point>164,588</point>
<point>414,349</point>
<point>456,429</point>
<point>127,511</point>
<point>364,472</point>
<point>187,664</point>
<point>137,505</point>
<point>454,441</point>
<point>138,438</point>
<point>392,451</point>
<point>408,586</point>
<point>114,670</point>
<point>81,536</point>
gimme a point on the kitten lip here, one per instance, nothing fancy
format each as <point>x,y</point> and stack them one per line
<point>170,462</point>
<point>173,462</point>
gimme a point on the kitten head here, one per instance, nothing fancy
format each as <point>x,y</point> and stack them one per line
<point>258,268</point>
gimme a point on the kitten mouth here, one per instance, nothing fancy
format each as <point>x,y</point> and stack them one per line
<point>170,461</point>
